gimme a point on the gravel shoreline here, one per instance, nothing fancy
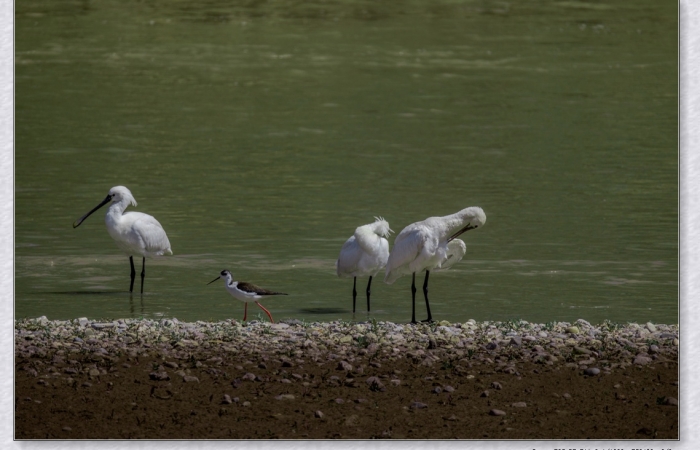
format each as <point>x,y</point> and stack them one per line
<point>592,348</point>
<point>166,379</point>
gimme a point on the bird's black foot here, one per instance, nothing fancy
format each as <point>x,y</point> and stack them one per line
<point>428,320</point>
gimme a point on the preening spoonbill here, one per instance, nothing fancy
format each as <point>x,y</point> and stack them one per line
<point>135,233</point>
<point>246,292</point>
<point>456,249</point>
<point>364,253</point>
<point>425,245</point>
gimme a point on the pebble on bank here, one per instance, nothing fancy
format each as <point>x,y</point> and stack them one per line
<point>594,349</point>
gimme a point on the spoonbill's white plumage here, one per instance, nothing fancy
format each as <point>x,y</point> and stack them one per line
<point>135,233</point>
<point>246,292</point>
<point>364,253</point>
<point>427,245</point>
<point>456,249</point>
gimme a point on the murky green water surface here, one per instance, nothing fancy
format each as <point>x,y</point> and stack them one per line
<point>260,134</point>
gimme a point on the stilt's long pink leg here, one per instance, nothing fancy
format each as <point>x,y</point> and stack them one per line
<point>268,312</point>
<point>245,314</point>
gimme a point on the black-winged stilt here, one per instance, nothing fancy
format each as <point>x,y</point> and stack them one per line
<point>246,292</point>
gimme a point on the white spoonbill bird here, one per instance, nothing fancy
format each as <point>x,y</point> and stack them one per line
<point>427,245</point>
<point>364,253</point>
<point>246,292</point>
<point>135,233</point>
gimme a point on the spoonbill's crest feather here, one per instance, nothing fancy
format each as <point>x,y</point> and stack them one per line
<point>122,194</point>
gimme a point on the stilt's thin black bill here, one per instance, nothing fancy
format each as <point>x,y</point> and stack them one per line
<point>213,280</point>
<point>79,221</point>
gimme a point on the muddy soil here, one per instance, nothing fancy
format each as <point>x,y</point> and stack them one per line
<point>267,397</point>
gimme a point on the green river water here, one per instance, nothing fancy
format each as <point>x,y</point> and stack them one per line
<point>261,133</point>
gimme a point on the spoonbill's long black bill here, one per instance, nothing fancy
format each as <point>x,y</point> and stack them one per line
<point>104,202</point>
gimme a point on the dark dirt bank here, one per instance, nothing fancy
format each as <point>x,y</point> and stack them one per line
<point>308,388</point>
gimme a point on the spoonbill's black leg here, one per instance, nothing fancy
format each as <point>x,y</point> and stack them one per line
<point>425,293</point>
<point>368,285</point>
<point>413,295</point>
<point>354,293</point>
<point>143,275</point>
<point>133,273</point>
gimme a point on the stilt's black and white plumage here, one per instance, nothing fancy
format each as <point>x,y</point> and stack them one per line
<point>430,244</point>
<point>246,292</point>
